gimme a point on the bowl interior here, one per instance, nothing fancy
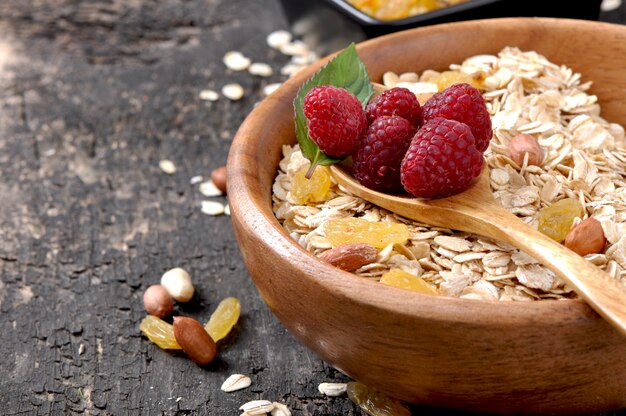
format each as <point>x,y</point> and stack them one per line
<point>591,48</point>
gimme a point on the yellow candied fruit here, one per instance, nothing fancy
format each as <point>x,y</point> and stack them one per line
<point>356,230</point>
<point>374,402</point>
<point>159,332</point>
<point>316,189</point>
<point>448,78</point>
<point>403,280</point>
<point>556,220</point>
<point>223,319</point>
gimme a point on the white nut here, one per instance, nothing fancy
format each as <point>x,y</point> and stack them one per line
<point>279,38</point>
<point>257,407</point>
<point>209,95</point>
<point>295,48</point>
<point>233,91</point>
<point>269,89</point>
<point>236,61</point>
<point>332,389</point>
<point>261,69</point>
<point>212,208</point>
<point>178,284</point>
<point>236,382</point>
<point>209,189</point>
<point>280,410</point>
<point>167,166</point>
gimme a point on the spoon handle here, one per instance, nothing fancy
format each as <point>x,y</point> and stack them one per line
<point>604,294</point>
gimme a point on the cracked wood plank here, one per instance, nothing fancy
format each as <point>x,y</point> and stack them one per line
<point>92,95</point>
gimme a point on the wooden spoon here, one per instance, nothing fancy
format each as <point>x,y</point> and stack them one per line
<point>477,211</point>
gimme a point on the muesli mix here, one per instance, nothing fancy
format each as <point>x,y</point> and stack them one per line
<point>552,156</point>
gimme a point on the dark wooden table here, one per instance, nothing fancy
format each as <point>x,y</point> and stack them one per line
<point>93,94</point>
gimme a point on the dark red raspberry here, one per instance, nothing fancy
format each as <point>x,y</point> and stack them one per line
<point>335,119</point>
<point>378,154</point>
<point>464,103</point>
<point>395,102</point>
<point>442,160</point>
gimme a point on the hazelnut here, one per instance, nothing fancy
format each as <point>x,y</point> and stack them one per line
<point>522,144</point>
<point>158,301</point>
<point>194,340</point>
<point>586,238</point>
<point>178,284</point>
<point>218,176</point>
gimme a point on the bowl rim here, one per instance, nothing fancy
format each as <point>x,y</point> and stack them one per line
<point>255,214</point>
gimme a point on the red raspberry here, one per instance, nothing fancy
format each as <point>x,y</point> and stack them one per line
<point>378,154</point>
<point>395,102</point>
<point>464,103</point>
<point>442,160</point>
<point>335,119</point>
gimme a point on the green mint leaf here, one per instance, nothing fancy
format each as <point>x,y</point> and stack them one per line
<point>346,70</point>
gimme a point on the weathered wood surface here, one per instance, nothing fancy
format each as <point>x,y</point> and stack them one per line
<point>92,95</point>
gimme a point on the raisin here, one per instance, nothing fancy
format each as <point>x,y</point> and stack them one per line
<point>316,189</point>
<point>375,403</point>
<point>223,319</point>
<point>159,332</point>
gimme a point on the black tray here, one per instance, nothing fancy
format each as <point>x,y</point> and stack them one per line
<point>329,25</point>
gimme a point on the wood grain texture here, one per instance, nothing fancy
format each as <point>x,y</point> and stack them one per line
<point>539,357</point>
<point>92,95</point>
<point>477,211</point>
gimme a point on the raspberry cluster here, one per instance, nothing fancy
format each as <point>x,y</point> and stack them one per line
<point>431,151</point>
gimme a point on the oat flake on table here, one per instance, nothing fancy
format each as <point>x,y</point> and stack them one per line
<point>585,159</point>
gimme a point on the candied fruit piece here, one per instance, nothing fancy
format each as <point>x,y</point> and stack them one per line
<point>403,280</point>
<point>356,230</point>
<point>556,220</point>
<point>447,78</point>
<point>159,332</point>
<point>304,191</point>
<point>375,403</point>
<point>223,319</point>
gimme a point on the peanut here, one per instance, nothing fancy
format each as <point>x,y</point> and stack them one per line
<point>586,238</point>
<point>350,257</point>
<point>522,144</point>
<point>194,340</point>
<point>158,301</point>
<point>218,176</point>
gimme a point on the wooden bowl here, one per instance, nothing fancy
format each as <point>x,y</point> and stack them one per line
<point>507,357</point>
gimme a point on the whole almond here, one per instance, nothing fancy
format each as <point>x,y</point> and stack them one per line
<point>522,144</point>
<point>350,257</point>
<point>158,301</point>
<point>218,176</point>
<point>586,238</point>
<point>194,340</point>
